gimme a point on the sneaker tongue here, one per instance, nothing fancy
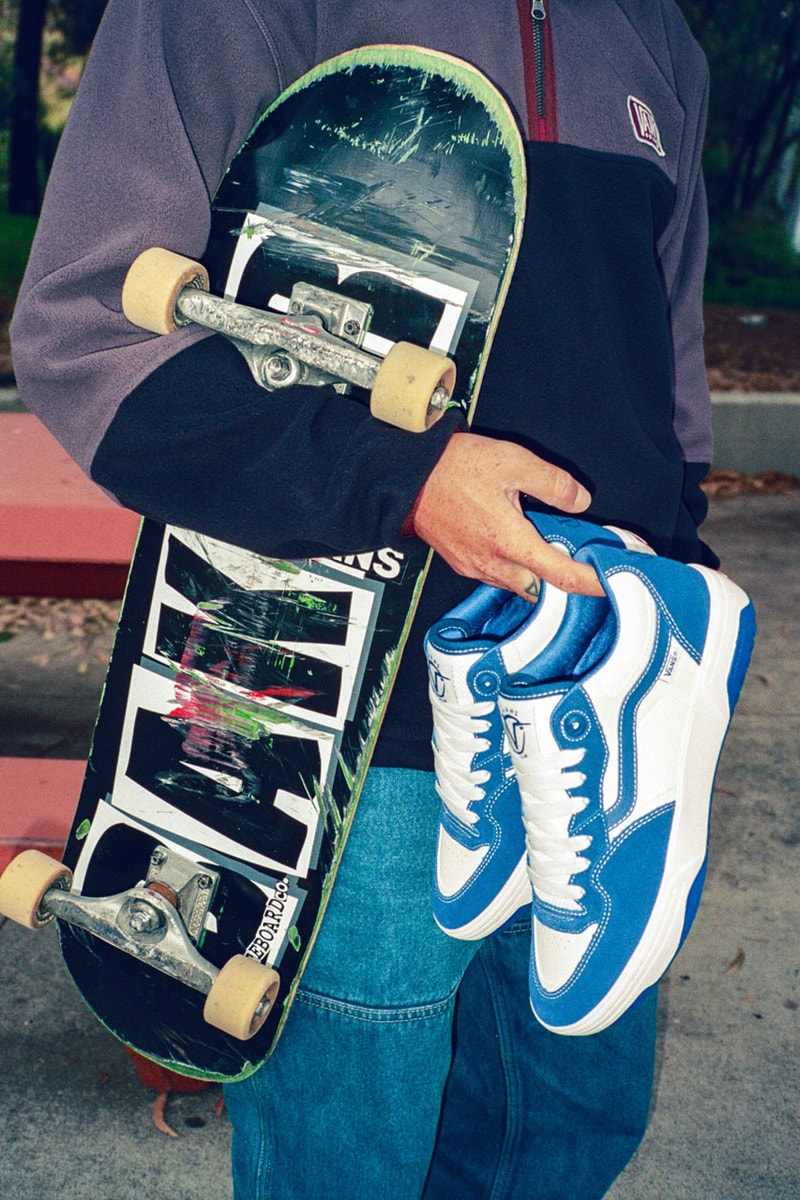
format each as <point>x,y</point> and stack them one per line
<point>581,640</point>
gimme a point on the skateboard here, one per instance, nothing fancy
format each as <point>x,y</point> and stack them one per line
<point>364,236</point>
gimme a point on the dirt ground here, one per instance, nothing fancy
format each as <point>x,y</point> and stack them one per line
<point>752,350</point>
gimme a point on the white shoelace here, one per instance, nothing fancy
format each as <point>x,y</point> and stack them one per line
<point>554,854</point>
<point>457,739</point>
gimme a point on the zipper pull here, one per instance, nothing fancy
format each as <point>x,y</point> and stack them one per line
<point>538,10</point>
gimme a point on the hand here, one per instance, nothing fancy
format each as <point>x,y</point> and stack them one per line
<point>470,512</point>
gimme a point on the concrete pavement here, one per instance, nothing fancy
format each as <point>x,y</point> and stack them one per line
<point>75,1123</point>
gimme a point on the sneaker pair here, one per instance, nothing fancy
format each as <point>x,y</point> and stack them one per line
<point>576,745</point>
<point>481,877</point>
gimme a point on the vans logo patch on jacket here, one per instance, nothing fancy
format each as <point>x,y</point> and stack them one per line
<point>644,125</point>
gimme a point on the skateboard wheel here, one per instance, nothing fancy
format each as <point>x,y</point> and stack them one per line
<point>152,286</point>
<point>24,883</point>
<point>241,997</point>
<point>405,386</point>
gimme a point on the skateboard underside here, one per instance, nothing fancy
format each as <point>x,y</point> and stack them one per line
<point>384,196</point>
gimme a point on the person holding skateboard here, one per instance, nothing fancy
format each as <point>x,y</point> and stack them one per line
<point>410,1065</point>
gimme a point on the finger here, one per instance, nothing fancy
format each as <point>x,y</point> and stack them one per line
<point>524,552</point>
<point>552,485</point>
<point>565,574</point>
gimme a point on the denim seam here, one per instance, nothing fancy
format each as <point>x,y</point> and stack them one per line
<point>504,1170</point>
<point>262,1168</point>
<point>362,1012</point>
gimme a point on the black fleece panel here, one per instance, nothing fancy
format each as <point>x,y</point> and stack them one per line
<point>582,365</point>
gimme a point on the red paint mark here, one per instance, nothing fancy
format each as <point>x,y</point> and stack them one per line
<point>300,325</point>
<point>286,693</point>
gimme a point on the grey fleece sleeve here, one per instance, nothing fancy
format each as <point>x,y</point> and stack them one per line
<point>683,255</point>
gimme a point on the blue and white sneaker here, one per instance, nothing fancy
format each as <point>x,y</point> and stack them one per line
<point>481,877</point>
<point>616,772</point>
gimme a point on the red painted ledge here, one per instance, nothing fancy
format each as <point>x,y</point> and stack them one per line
<point>60,534</point>
<point>38,797</point>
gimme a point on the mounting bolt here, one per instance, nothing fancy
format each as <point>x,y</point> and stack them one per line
<point>279,369</point>
<point>143,917</point>
<point>204,882</point>
<point>158,858</point>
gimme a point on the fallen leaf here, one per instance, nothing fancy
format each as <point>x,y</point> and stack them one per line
<point>735,963</point>
<point>721,482</point>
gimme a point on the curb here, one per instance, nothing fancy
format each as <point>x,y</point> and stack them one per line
<point>756,431</point>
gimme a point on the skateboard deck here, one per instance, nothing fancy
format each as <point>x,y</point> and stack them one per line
<point>381,195</point>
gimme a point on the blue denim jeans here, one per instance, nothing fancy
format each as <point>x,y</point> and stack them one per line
<point>411,1067</point>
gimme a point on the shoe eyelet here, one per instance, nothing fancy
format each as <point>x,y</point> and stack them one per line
<point>486,683</point>
<point>575,725</point>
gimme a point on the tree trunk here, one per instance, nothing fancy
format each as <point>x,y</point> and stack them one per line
<point>23,158</point>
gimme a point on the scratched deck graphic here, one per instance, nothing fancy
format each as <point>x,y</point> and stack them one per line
<point>244,695</point>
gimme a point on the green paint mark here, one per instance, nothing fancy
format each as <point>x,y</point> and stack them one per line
<point>83,830</point>
<point>295,939</point>
<point>421,251</point>
<point>309,601</point>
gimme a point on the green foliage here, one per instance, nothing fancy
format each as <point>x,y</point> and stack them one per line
<point>6,75</point>
<point>750,262</point>
<point>42,47</point>
<point>16,235</point>
<point>751,155</point>
<point>753,51</point>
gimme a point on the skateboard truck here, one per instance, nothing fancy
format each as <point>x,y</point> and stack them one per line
<point>146,922</point>
<point>410,388</point>
<point>311,311</point>
<point>157,922</point>
<point>341,316</point>
<point>319,311</point>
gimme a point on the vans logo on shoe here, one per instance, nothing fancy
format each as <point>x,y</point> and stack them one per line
<point>644,125</point>
<point>668,669</point>
<point>515,732</point>
<point>438,681</point>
